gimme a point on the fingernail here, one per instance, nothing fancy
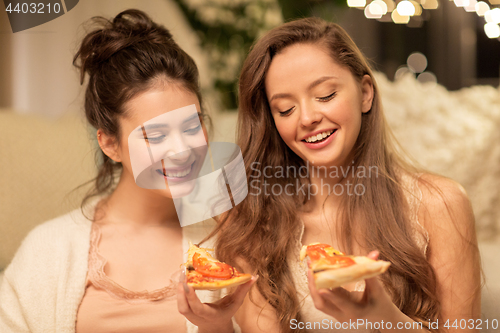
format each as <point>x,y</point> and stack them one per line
<point>182,279</point>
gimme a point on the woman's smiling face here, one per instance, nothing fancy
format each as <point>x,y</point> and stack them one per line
<point>163,143</point>
<point>316,103</point>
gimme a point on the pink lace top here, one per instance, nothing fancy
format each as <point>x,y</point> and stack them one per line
<point>109,307</point>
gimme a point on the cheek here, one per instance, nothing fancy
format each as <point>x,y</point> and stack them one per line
<point>286,129</point>
<point>197,140</point>
<point>352,119</point>
<point>205,133</point>
<point>348,113</point>
<point>136,154</point>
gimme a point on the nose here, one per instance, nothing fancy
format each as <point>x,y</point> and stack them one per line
<point>178,150</point>
<point>309,115</point>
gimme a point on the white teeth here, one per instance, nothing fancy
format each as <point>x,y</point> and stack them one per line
<point>179,174</point>
<point>319,136</point>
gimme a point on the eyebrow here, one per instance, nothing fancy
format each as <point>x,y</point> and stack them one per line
<point>311,86</point>
<point>191,117</point>
<point>151,127</point>
<point>162,125</point>
<point>321,80</point>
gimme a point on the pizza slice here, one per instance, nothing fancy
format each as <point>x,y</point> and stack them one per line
<point>332,268</point>
<point>205,272</point>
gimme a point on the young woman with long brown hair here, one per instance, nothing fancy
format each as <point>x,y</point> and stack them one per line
<point>323,166</point>
<point>108,268</point>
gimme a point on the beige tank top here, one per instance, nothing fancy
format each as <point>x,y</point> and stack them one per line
<point>319,321</point>
<point>108,307</point>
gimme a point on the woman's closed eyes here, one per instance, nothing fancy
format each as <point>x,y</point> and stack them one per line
<point>156,138</point>
<point>321,99</point>
<point>327,98</point>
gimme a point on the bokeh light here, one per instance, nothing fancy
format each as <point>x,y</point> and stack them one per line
<point>390,5</point>
<point>405,8</point>
<point>430,4</point>
<point>492,16</point>
<point>481,8</point>
<point>417,62</point>
<point>383,5</point>
<point>492,30</point>
<point>461,3</point>
<point>471,7</point>
<point>373,11</point>
<point>356,3</point>
<point>402,71</point>
<point>427,78</point>
<point>418,8</point>
<point>398,18</point>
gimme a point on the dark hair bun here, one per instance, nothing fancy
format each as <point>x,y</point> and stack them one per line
<point>124,57</point>
<point>128,28</point>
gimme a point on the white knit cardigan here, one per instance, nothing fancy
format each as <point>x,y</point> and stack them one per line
<point>44,284</point>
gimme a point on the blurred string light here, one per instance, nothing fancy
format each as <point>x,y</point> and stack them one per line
<point>415,66</point>
<point>401,11</point>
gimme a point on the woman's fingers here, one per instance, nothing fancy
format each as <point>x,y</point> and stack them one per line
<point>240,293</point>
<point>339,297</point>
<point>373,255</point>
<point>182,302</point>
<point>319,302</point>
<point>343,304</point>
<point>192,308</point>
<point>232,302</point>
<point>312,287</point>
<point>188,303</point>
<point>373,287</point>
<point>197,307</point>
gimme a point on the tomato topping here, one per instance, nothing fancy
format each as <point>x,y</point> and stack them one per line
<point>212,269</point>
<point>341,261</point>
<point>317,251</point>
<point>317,246</point>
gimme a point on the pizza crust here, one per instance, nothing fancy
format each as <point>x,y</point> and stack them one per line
<point>364,268</point>
<point>220,284</point>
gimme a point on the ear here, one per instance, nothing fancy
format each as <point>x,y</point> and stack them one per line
<point>367,92</point>
<point>109,145</point>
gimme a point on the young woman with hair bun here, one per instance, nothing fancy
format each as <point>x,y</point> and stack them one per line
<point>308,101</point>
<point>108,266</point>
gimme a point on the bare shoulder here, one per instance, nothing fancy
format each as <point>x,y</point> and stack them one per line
<point>446,214</point>
<point>445,206</point>
<point>437,190</point>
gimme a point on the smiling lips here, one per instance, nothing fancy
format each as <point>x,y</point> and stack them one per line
<point>176,173</point>
<point>319,137</point>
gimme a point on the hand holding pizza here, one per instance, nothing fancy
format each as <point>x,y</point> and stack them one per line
<point>374,304</point>
<point>202,271</point>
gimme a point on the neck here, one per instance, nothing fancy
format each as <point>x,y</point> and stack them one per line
<point>331,183</point>
<point>133,205</point>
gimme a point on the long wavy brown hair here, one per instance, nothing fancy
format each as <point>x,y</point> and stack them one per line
<point>263,229</point>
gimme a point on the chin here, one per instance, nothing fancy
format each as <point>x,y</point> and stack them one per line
<point>325,159</point>
<point>181,190</point>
